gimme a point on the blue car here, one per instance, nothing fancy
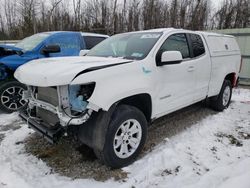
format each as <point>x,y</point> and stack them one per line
<point>41,45</point>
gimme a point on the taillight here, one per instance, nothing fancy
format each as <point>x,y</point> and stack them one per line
<point>241,62</point>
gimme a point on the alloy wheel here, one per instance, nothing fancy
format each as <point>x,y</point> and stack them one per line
<point>127,138</point>
<point>11,98</point>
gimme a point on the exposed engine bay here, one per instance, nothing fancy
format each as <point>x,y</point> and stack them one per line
<point>61,105</point>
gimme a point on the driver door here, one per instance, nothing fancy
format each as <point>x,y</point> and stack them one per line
<point>69,44</point>
<point>176,81</point>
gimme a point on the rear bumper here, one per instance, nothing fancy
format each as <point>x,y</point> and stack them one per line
<point>52,135</point>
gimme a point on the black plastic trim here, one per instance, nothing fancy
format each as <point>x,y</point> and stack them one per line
<point>190,46</point>
<point>246,56</point>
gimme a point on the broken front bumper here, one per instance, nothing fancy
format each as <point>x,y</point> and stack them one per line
<point>49,111</point>
<point>64,116</point>
<point>52,135</point>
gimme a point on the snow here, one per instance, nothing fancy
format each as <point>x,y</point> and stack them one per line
<point>214,152</point>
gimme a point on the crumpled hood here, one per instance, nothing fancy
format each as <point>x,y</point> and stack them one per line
<point>60,71</point>
<point>10,47</point>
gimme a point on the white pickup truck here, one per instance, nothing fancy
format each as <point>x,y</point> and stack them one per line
<point>108,97</point>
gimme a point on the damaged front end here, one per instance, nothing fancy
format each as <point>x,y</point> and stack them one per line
<point>51,110</point>
<point>7,50</point>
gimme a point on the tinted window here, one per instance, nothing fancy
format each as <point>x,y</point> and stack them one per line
<point>197,45</point>
<point>91,41</point>
<point>177,42</point>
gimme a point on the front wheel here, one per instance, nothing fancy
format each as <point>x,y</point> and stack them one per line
<point>11,96</point>
<point>125,137</point>
<point>223,100</point>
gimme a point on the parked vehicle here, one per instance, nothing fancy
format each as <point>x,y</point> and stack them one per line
<point>108,97</point>
<point>41,45</point>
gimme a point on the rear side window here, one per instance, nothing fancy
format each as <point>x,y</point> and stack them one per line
<point>91,41</point>
<point>197,45</point>
<point>177,42</point>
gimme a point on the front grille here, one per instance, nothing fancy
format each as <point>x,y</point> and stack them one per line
<point>49,95</point>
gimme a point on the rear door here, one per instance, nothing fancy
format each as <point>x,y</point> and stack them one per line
<point>202,64</point>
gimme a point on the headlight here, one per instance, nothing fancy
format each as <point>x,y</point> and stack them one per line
<point>3,72</point>
<point>78,96</point>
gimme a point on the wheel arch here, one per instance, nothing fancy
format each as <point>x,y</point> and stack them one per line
<point>9,73</point>
<point>232,78</point>
<point>141,101</point>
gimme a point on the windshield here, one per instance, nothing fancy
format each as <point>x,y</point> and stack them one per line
<point>134,46</point>
<point>31,42</point>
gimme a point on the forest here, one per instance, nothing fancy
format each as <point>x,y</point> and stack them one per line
<point>21,18</point>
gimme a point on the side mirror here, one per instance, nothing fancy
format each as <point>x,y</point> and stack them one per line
<point>170,58</point>
<point>83,52</point>
<point>50,49</point>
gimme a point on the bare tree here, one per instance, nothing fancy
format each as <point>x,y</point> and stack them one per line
<point>20,18</point>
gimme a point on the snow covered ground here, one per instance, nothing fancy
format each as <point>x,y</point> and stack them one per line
<point>215,152</point>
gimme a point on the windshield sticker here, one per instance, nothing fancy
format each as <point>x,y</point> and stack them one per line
<point>150,36</point>
<point>137,55</point>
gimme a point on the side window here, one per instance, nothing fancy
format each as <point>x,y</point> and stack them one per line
<point>91,41</point>
<point>197,45</point>
<point>68,43</point>
<point>177,42</point>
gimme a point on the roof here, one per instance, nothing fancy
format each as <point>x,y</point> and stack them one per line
<point>94,34</point>
<point>167,30</point>
<point>53,32</point>
<point>82,33</point>
<point>164,30</point>
<point>158,30</point>
<point>214,34</point>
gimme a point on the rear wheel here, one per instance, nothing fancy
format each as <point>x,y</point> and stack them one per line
<point>11,96</point>
<point>223,100</point>
<point>125,137</point>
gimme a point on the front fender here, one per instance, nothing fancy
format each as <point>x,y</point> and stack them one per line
<point>104,99</point>
<point>116,83</point>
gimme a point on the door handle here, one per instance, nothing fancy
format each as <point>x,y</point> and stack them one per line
<point>190,69</point>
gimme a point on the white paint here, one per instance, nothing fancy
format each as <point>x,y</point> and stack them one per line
<point>229,166</point>
<point>186,83</point>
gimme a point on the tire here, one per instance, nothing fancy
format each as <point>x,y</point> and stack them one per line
<point>123,117</point>
<point>11,96</point>
<point>222,101</point>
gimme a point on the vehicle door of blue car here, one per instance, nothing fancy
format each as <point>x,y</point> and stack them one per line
<point>69,43</point>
